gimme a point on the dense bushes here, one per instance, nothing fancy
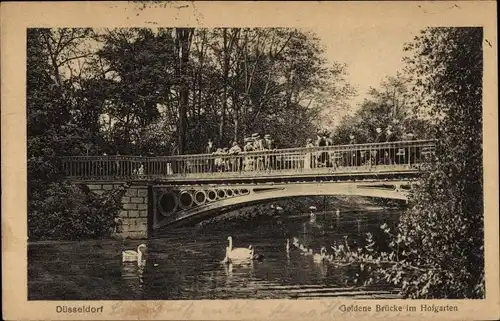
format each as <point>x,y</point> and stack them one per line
<point>71,212</point>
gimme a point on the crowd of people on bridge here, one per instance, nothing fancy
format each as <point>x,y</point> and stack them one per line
<point>253,143</point>
<point>226,158</point>
<point>261,153</point>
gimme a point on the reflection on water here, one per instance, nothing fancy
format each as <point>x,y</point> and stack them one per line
<point>187,264</point>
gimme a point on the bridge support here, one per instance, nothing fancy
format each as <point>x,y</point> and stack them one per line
<point>133,217</point>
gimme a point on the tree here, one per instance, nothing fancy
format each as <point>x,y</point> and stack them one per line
<point>438,246</point>
<point>388,106</point>
<point>54,206</point>
<point>183,43</point>
<point>445,224</point>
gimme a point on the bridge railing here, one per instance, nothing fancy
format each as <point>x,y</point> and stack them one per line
<point>393,156</point>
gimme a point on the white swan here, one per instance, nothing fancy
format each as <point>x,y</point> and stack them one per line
<point>318,258</point>
<point>133,256</point>
<point>287,247</point>
<point>239,253</point>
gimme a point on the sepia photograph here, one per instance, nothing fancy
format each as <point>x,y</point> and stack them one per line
<point>180,162</point>
<point>251,166</point>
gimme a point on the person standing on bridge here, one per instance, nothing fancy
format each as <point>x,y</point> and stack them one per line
<point>322,155</point>
<point>389,151</point>
<point>174,166</point>
<point>248,159</point>
<point>236,160</point>
<point>218,161</point>
<point>353,155</point>
<point>210,150</point>
<point>309,159</point>
<point>140,171</point>
<point>377,153</point>
<point>258,145</point>
<point>268,145</point>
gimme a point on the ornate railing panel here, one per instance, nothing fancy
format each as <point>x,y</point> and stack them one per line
<point>394,156</point>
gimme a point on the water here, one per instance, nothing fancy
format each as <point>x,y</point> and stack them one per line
<point>186,263</point>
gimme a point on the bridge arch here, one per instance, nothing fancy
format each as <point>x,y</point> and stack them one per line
<point>397,190</point>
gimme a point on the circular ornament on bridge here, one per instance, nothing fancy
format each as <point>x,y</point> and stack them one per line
<point>221,193</point>
<point>167,203</point>
<point>211,195</point>
<point>244,191</point>
<point>229,192</point>
<point>200,197</point>
<point>185,199</point>
<point>235,192</point>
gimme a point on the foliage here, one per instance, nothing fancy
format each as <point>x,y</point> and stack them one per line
<point>56,209</point>
<point>387,107</point>
<point>68,212</point>
<point>437,251</point>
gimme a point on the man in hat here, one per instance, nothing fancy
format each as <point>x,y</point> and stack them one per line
<point>258,145</point>
<point>320,139</point>
<point>389,152</point>
<point>257,142</point>
<point>353,157</point>
<point>235,160</point>
<point>248,148</point>
<point>377,154</point>
<point>330,156</point>
<point>209,150</point>
<point>328,138</point>
<point>268,145</point>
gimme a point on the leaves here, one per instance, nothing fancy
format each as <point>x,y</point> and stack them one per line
<point>437,248</point>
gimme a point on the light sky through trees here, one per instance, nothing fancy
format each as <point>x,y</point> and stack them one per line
<point>370,53</point>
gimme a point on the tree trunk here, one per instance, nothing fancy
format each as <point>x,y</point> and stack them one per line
<point>225,70</point>
<point>183,40</point>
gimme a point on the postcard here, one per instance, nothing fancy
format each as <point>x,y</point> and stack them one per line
<point>250,160</point>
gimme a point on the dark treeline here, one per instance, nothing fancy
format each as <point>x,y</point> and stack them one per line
<point>166,91</point>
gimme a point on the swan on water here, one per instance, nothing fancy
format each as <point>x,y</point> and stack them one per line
<point>318,258</point>
<point>133,256</point>
<point>239,253</point>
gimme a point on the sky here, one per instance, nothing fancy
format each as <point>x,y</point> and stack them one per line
<point>370,53</point>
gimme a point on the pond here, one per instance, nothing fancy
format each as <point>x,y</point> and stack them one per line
<point>186,263</point>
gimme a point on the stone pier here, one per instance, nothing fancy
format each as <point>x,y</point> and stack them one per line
<point>133,218</point>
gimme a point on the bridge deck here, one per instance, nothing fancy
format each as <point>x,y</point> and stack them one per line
<point>342,162</point>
